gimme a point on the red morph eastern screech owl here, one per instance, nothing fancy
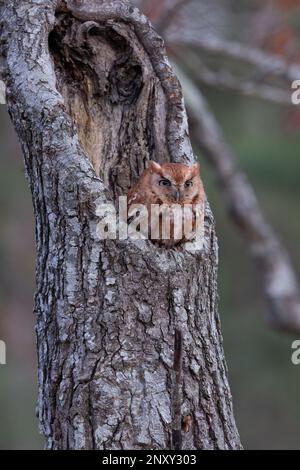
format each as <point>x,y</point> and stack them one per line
<point>169,186</point>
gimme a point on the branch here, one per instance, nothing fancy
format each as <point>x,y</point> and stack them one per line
<point>169,15</point>
<point>262,61</point>
<point>279,279</point>
<point>225,80</point>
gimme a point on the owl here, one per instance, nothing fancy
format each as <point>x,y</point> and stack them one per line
<point>167,203</point>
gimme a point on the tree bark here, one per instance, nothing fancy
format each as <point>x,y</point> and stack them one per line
<point>128,334</point>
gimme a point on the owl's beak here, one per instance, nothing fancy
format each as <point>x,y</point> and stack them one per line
<point>177,194</point>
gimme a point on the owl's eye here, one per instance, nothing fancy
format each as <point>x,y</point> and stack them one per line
<point>164,182</point>
<point>188,183</point>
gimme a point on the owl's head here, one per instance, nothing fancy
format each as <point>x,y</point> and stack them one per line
<point>175,182</point>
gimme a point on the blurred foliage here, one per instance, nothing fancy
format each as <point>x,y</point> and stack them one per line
<point>18,387</point>
<point>264,382</point>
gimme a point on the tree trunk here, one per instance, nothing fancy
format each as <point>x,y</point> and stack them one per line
<point>129,344</point>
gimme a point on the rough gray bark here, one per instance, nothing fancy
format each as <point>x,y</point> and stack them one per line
<point>128,334</point>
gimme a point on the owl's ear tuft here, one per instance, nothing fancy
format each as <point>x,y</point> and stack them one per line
<point>154,167</point>
<point>195,169</point>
